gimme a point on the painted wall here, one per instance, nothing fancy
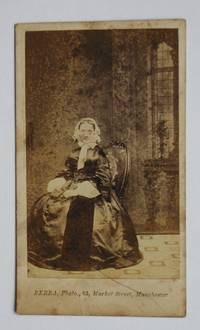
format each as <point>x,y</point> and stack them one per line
<point>99,74</point>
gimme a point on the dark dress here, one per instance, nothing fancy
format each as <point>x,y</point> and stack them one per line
<point>83,233</point>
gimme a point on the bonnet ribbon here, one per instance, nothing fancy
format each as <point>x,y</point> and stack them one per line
<point>83,153</point>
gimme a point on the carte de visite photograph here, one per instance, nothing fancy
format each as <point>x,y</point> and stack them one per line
<point>100,134</point>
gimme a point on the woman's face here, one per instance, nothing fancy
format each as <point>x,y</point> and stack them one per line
<point>86,133</point>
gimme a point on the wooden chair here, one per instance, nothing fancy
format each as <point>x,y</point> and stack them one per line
<point>119,161</point>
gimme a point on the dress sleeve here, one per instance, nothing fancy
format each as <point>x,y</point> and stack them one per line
<point>103,177</point>
<point>68,172</point>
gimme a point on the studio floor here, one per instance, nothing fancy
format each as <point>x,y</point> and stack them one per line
<point>161,261</point>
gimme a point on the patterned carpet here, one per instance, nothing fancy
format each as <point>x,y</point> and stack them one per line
<point>161,261</point>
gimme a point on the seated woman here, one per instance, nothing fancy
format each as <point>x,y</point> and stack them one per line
<point>80,223</point>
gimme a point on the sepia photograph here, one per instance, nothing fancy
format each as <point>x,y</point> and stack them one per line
<point>100,162</point>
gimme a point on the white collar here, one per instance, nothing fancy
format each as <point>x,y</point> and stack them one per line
<point>89,144</point>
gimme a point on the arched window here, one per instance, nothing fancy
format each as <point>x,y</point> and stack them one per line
<point>162,89</point>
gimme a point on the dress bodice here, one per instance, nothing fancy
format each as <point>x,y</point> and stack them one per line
<point>96,169</point>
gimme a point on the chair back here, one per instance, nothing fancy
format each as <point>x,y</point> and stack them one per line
<point>119,162</point>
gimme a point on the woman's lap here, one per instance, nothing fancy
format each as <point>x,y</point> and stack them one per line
<point>86,230</point>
